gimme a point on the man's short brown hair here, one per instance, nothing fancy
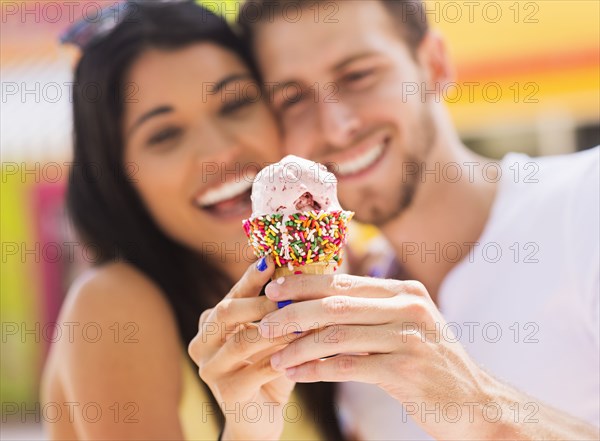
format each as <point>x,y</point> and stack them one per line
<point>409,15</point>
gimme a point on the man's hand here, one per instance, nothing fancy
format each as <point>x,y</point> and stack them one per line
<point>388,333</point>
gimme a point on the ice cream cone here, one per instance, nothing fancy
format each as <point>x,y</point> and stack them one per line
<point>318,268</point>
<point>297,218</point>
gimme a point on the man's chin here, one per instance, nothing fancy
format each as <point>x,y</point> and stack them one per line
<point>380,210</point>
<point>375,214</point>
<point>380,218</point>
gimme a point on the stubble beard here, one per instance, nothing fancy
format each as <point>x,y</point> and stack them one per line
<point>379,214</point>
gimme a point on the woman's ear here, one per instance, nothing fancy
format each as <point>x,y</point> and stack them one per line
<point>434,60</point>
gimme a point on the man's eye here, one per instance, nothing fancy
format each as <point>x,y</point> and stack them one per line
<point>164,135</point>
<point>357,75</point>
<point>291,101</point>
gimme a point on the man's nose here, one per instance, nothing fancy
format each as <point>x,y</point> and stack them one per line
<point>339,123</point>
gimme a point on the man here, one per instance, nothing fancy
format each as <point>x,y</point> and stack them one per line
<point>507,253</point>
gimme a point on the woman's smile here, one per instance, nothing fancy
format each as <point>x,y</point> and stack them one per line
<point>227,200</point>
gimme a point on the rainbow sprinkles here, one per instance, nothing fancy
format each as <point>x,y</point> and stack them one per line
<point>301,239</point>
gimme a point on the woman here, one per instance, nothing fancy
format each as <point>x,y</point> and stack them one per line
<point>173,143</point>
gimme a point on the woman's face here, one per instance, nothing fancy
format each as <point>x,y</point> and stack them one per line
<point>195,136</point>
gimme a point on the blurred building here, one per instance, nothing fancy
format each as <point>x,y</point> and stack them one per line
<point>527,74</point>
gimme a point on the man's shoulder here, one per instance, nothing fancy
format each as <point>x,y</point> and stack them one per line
<point>550,184</point>
<point>542,174</point>
<point>557,202</point>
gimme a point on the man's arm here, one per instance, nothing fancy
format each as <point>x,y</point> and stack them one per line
<point>388,334</point>
<point>528,419</point>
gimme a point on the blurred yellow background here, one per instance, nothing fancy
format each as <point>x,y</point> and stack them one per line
<point>544,57</point>
<point>527,79</point>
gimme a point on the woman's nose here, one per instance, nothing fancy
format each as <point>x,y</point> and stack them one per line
<point>213,141</point>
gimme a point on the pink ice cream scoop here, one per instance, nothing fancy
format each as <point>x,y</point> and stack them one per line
<point>297,218</point>
<point>294,185</point>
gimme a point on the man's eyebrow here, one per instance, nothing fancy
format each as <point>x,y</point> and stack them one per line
<point>146,116</point>
<point>338,66</point>
<point>280,86</point>
<point>353,58</point>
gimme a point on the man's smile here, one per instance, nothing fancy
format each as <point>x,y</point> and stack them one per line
<point>359,161</point>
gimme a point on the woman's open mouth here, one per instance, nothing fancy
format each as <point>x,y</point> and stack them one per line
<point>228,200</point>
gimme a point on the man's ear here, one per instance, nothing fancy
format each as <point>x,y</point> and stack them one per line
<point>434,60</point>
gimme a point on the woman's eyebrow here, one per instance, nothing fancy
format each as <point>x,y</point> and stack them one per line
<point>166,108</point>
<point>146,116</point>
<point>229,79</point>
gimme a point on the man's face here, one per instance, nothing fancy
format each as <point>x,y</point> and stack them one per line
<point>345,104</point>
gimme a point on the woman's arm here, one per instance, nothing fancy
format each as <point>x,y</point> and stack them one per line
<point>120,371</point>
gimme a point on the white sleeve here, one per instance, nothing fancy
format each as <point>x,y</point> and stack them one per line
<point>585,236</point>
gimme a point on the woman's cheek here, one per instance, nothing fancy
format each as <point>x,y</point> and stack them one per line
<point>159,186</point>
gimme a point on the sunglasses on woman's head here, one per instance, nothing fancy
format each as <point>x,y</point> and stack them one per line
<point>88,31</point>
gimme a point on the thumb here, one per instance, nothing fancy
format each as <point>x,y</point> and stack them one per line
<point>255,277</point>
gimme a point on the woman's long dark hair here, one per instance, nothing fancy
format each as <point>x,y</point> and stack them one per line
<point>103,204</point>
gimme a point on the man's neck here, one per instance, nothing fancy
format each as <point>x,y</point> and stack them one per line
<point>446,217</point>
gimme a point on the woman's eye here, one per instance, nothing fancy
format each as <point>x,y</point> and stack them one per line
<point>164,135</point>
<point>233,106</point>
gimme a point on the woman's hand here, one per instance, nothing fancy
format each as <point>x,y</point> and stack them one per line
<point>384,332</point>
<point>234,359</point>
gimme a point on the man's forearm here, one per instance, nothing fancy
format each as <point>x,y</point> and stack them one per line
<point>536,420</point>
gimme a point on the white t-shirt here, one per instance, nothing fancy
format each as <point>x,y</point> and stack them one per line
<point>525,300</point>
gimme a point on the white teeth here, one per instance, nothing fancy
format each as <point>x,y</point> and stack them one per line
<point>360,162</point>
<point>224,192</point>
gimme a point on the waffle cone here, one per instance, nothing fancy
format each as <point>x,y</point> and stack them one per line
<point>318,268</point>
